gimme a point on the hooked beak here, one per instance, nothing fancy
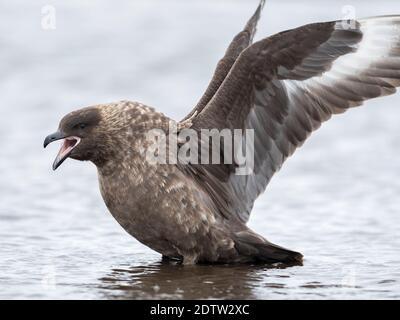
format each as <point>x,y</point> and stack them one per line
<point>68,145</point>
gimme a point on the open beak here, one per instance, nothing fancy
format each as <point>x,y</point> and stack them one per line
<point>69,144</point>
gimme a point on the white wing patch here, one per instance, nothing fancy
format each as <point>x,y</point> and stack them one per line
<point>372,70</point>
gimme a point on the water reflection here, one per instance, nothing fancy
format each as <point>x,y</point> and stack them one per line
<point>165,280</point>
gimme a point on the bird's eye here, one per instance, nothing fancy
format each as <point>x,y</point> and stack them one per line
<point>82,125</point>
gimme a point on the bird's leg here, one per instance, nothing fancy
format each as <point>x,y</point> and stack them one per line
<point>190,259</point>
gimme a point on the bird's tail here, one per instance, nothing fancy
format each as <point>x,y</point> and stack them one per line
<point>252,246</point>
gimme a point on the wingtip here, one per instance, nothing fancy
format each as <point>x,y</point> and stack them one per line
<point>252,23</point>
<point>259,8</point>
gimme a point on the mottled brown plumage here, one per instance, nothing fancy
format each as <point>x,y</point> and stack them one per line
<point>282,87</point>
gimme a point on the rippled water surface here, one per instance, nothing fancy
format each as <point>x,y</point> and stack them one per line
<point>336,201</point>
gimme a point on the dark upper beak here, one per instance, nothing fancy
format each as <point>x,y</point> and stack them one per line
<point>70,142</point>
<point>53,137</point>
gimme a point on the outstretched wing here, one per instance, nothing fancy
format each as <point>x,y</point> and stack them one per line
<point>285,86</point>
<point>239,43</point>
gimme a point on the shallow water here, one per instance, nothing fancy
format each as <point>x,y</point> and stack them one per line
<point>336,200</point>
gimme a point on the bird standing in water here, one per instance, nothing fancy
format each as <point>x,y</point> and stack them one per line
<point>282,88</point>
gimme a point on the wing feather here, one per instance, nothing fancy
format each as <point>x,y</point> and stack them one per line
<point>284,87</point>
<point>239,43</point>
